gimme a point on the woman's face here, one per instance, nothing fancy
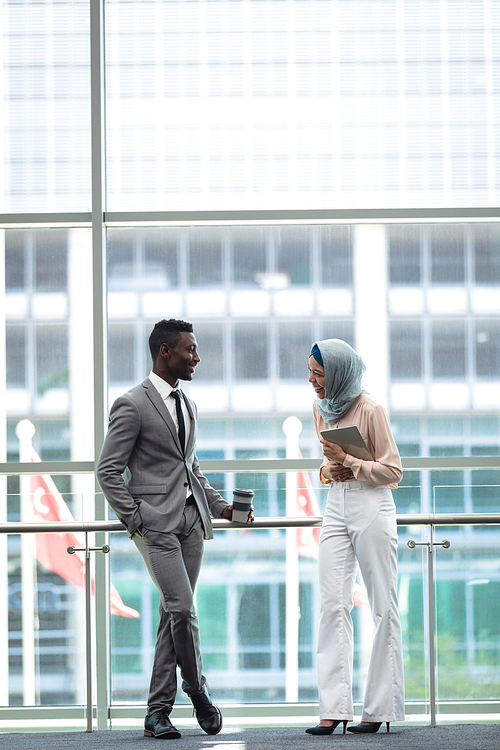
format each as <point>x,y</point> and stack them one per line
<point>317,377</point>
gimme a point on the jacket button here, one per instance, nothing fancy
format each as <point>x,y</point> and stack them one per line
<point>185,484</point>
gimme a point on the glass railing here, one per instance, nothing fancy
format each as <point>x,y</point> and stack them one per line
<point>258,656</point>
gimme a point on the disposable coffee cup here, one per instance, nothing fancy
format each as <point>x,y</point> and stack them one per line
<point>242,504</point>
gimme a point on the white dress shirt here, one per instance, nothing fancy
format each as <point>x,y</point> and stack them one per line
<point>165,391</point>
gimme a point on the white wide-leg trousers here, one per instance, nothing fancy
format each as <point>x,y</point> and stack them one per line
<point>359,526</point>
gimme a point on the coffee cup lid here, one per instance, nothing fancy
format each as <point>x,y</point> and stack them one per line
<point>244,493</point>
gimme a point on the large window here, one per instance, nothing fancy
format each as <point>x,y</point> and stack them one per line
<point>249,151</point>
<point>254,105</point>
<point>298,105</point>
<point>48,326</point>
<point>46,106</point>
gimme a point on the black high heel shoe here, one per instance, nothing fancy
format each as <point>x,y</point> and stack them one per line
<point>367,728</point>
<point>327,730</point>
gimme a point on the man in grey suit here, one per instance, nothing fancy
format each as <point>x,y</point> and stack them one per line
<point>151,477</point>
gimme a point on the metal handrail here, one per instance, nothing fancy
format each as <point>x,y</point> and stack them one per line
<point>267,522</point>
<point>413,463</point>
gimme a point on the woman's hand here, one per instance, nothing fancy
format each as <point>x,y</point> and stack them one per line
<point>333,452</point>
<point>335,472</point>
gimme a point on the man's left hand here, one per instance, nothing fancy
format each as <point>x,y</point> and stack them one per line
<point>228,514</point>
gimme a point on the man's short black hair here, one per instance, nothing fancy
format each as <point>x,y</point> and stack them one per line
<point>167,332</point>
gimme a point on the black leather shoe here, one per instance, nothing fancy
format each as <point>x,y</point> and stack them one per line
<point>209,717</point>
<point>159,725</point>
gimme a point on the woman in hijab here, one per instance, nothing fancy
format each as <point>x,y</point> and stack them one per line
<point>359,527</point>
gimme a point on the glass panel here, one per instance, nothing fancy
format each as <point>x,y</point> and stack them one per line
<point>448,486</point>
<point>49,351</point>
<point>487,348</point>
<point>232,109</point>
<point>52,366</point>
<point>294,340</point>
<point>205,257</point>
<point>485,484</point>
<point>122,269</point>
<point>120,354</point>
<point>16,260</point>
<point>406,349</point>
<point>448,349</point>
<point>338,329</point>
<point>16,355</point>
<point>161,265</point>
<point>249,255</point>
<point>468,614</point>
<point>132,638</point>
<point>51,260</point>
<point>405,254</point>
<point>412,599</point>
<point>447,254</point>
<point>250,351</point>
<point>46,106</point>
<point>486,257</point>
<point>46,606</point>
<point>293,255</point>
<point>336,256</point>
<point>258,297</point>
<point>212,351</point>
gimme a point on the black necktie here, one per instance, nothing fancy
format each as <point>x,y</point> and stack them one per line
<point>180,419</point>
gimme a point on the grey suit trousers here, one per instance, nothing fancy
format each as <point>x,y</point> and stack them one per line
<point>173,560</point>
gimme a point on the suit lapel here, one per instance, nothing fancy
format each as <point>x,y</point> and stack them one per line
<point>162,410</point>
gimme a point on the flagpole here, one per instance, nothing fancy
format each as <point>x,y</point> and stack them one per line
<point>292,427</point>
<point>25,431</point>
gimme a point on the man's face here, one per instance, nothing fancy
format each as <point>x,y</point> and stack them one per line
<point>182,359</point>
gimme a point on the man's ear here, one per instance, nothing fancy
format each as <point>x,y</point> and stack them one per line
<point>164,351</point>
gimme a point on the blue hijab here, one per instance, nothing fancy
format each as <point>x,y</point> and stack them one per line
<point>344,369</point>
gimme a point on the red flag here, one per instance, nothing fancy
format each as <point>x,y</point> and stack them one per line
<point>307,505</point>
<point>308,538</point>
<point>51,549</point>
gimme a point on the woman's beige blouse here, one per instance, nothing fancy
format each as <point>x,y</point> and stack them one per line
<point>373,424</point>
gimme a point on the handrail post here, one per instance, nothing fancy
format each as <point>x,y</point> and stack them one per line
<point>431,626</point>
<point>88,621</point>
<point>431,619</point>
<point>88,633</point>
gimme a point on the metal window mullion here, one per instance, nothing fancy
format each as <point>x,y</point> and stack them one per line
<point>97,72</point>
<point>308,216</point>
<point>483,214</point>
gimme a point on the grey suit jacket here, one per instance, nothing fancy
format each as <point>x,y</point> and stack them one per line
<point>142,471</point>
